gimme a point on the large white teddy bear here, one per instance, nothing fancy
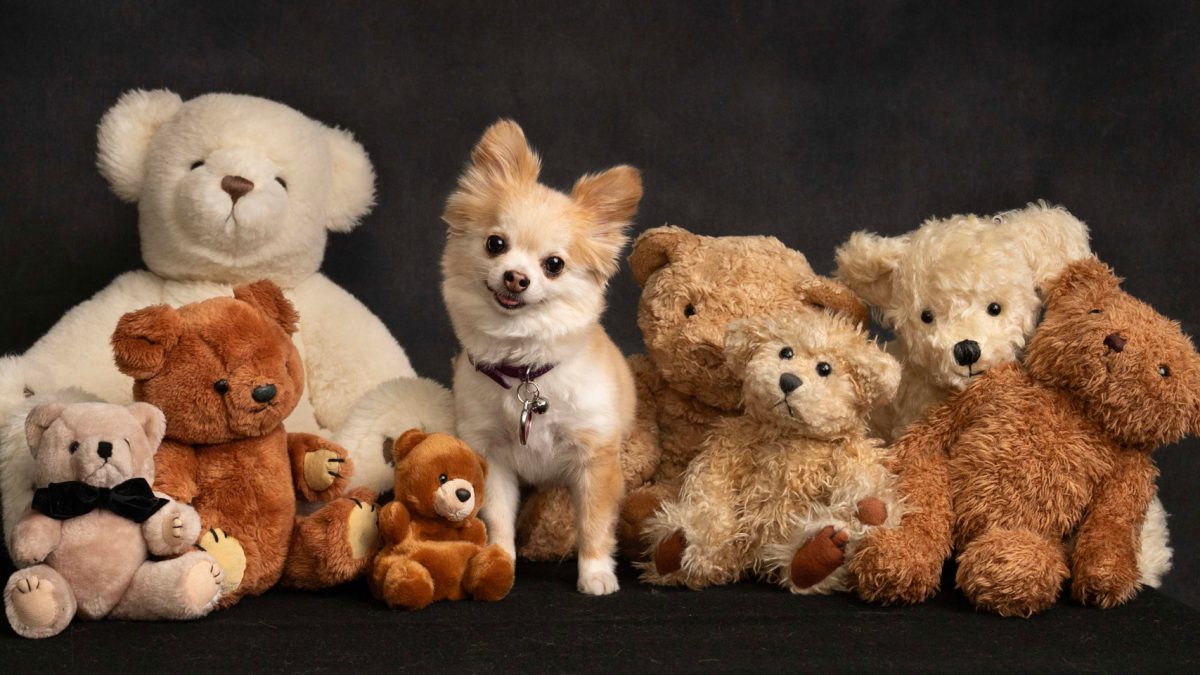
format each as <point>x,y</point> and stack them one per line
<point>230,189</point>
<point>963,295</point>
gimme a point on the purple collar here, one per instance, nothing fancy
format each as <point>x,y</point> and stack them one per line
<point>499,371</point>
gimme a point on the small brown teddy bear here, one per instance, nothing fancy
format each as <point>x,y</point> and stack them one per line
<point>693,287</point>
<point>435,548</point>
<point>94,521</point>
<point>1029,457</point>
<point>784,490</point>
<point>226,374</point>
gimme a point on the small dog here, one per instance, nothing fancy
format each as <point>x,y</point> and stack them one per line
<point>524,274</point>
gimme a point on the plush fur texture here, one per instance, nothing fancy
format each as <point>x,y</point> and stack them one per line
<point>435,548</point>
<point>693,287</point>
<point>524,274</point>
<point>226,374</point>
<point>97,564</point>
<point>171,157</point>
<point>1028,457</point>
<point>794,476</point>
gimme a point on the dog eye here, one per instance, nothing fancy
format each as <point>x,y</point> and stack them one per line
<point>282,183</point>
<point>553,265</point>
<point>994,309</point>
<point>443,478</point>
<point>73,447</point>
<point>1164,371</point>
<point>496,245</point>
<point>689,311</point>
<point>197,164</point>
<point>927,316</point>
<point>786,353</point>
<point>221,387</point>
<point>824,369</point>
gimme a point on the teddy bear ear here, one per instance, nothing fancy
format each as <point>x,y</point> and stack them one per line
<point>502,155</point>
<point>741,339</point>
<point>125,134</point>
<point>1086,276</point>
<point>405,444</point>
<point>830,295</point>
<point>658,247</point>
<point>352,192</point>
<point>152,420</point>
<point>878,375</point>
<point>142,339</point>
<point>265,296</point>
<point>867,262</point>
<point>38,421</point>
<point>1049,237</point>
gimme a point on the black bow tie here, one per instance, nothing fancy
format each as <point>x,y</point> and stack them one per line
<point>132,500</point>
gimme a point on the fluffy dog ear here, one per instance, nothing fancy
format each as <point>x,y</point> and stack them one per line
<point>407,441</point>
<point>612,198</point>
<point>124,137</point>
<point>658,247</point>
<point>503,155</point>
<point>866,263</point>
<point>832,296</point>
<point>352,192</point>
<point>1049,237</point>
<point>142,339</point>
<point>877,376</point>
<point>1086,276</point>
<point>265,296</point>
<point>152,420</point>
<point>38,421</point>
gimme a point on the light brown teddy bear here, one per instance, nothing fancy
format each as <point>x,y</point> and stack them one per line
<point>226,374</point>
<point>435,548</point>
<point>783,491</point>
<point>84,545</point>
<point>693,287</point>
<point>1028,458</point>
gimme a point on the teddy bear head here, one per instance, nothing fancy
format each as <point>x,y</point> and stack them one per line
<point>962,294</point>
<point>232,188</point>
<point>1135,371</point>
<point>811,371</point>
<point>101,444</point>
<point>438,476</point>
<point>694,286</point>
<point>221,369</point>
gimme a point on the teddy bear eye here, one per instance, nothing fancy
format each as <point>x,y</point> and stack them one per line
<point>221,387</point>
<point>1164,370</point>
<point>443,478</point>
<point>927,316</point>
<point>786,353</point>
<point>994,309</point>
<point>1095,311</point>
<point>282,183</point>
<point>689,311</point>
<point>495,245</point>
<point>824,369</point>
<point>553,265</point>
<point>197,164</point>
<point>73,447</point>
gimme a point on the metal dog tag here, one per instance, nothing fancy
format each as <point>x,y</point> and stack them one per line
<point>532,404</point>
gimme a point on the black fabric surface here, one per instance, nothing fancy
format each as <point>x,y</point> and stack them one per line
<point>545,625</point>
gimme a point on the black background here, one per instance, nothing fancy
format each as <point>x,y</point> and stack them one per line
<point>802,120</point>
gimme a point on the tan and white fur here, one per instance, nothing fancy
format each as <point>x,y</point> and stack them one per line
<point>511,302</point>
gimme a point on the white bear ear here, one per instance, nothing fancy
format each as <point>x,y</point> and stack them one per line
<point>1049,237</point>
<point>878,375</point>
<point>124,137</point>
<point>154,423</point>
<point>352,194</point>
<point>867,262</point>
<point>38,421</point>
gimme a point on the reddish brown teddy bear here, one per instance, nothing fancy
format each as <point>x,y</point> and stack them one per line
<point>435,548</point>
<point>226,374</point>
<point>1028,457</point>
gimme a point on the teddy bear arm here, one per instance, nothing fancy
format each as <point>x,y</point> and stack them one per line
<point>34,538</point>
<point>394,523</point>
<point>475,532</point>
<point>320,468</point>
<point>173,529</point>
<point>175,471</point>
<point>642,450</point>
<point>921,461</point>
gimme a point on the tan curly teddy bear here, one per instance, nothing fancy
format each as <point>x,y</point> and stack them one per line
<point>782,491</point>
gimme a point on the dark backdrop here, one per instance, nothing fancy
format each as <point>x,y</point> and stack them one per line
<point>802,120</point>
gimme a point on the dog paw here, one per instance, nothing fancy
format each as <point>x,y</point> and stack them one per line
<point>596,577</point>
<point>228,553</point>
<point>33,602</point>
<point>819,557</point>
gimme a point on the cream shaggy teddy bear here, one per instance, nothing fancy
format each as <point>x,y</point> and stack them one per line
<point>785,490</point>
<point>963,295</point>
<point>230,189</point>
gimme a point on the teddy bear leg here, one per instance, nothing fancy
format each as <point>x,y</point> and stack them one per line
<point>489,574</point>
<point>639,506</point>
<point>231,557</point>
<point>39,602</point>
<point>402,583</point>
<point>818,558</point>
<point>335,544</point>
<point>1012,572</point>
<point>187,587</point>
<point>897,566</point>
<point>546,526</point>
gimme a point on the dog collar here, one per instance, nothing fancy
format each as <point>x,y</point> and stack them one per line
<point>501,372</point>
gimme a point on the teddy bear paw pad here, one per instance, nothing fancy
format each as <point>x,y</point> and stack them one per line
<point>819,557</point>
<point>363,528</point>
<point>202,585</point>
<point>33,601</point>
<point>228,553</point>
<point>321,468</point>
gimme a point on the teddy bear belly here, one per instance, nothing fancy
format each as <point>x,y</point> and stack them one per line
<point>98,555</point>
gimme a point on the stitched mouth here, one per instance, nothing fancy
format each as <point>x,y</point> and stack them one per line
<point>971,374</point>
<point>784,402</point>
<point>505,299</point>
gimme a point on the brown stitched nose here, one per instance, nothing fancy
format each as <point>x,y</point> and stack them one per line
<point>1115,342</point>
<point>236,186</point>
<point>515,282</point>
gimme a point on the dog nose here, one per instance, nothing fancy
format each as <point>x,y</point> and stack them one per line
<point>515,282</point>
<point>789,383</point>
<point>104,449</point>
<point>966,352</point>
<point>263,393</point>
<point>1115,342</point>
<point>236,186</point>
<point>463,494</point>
